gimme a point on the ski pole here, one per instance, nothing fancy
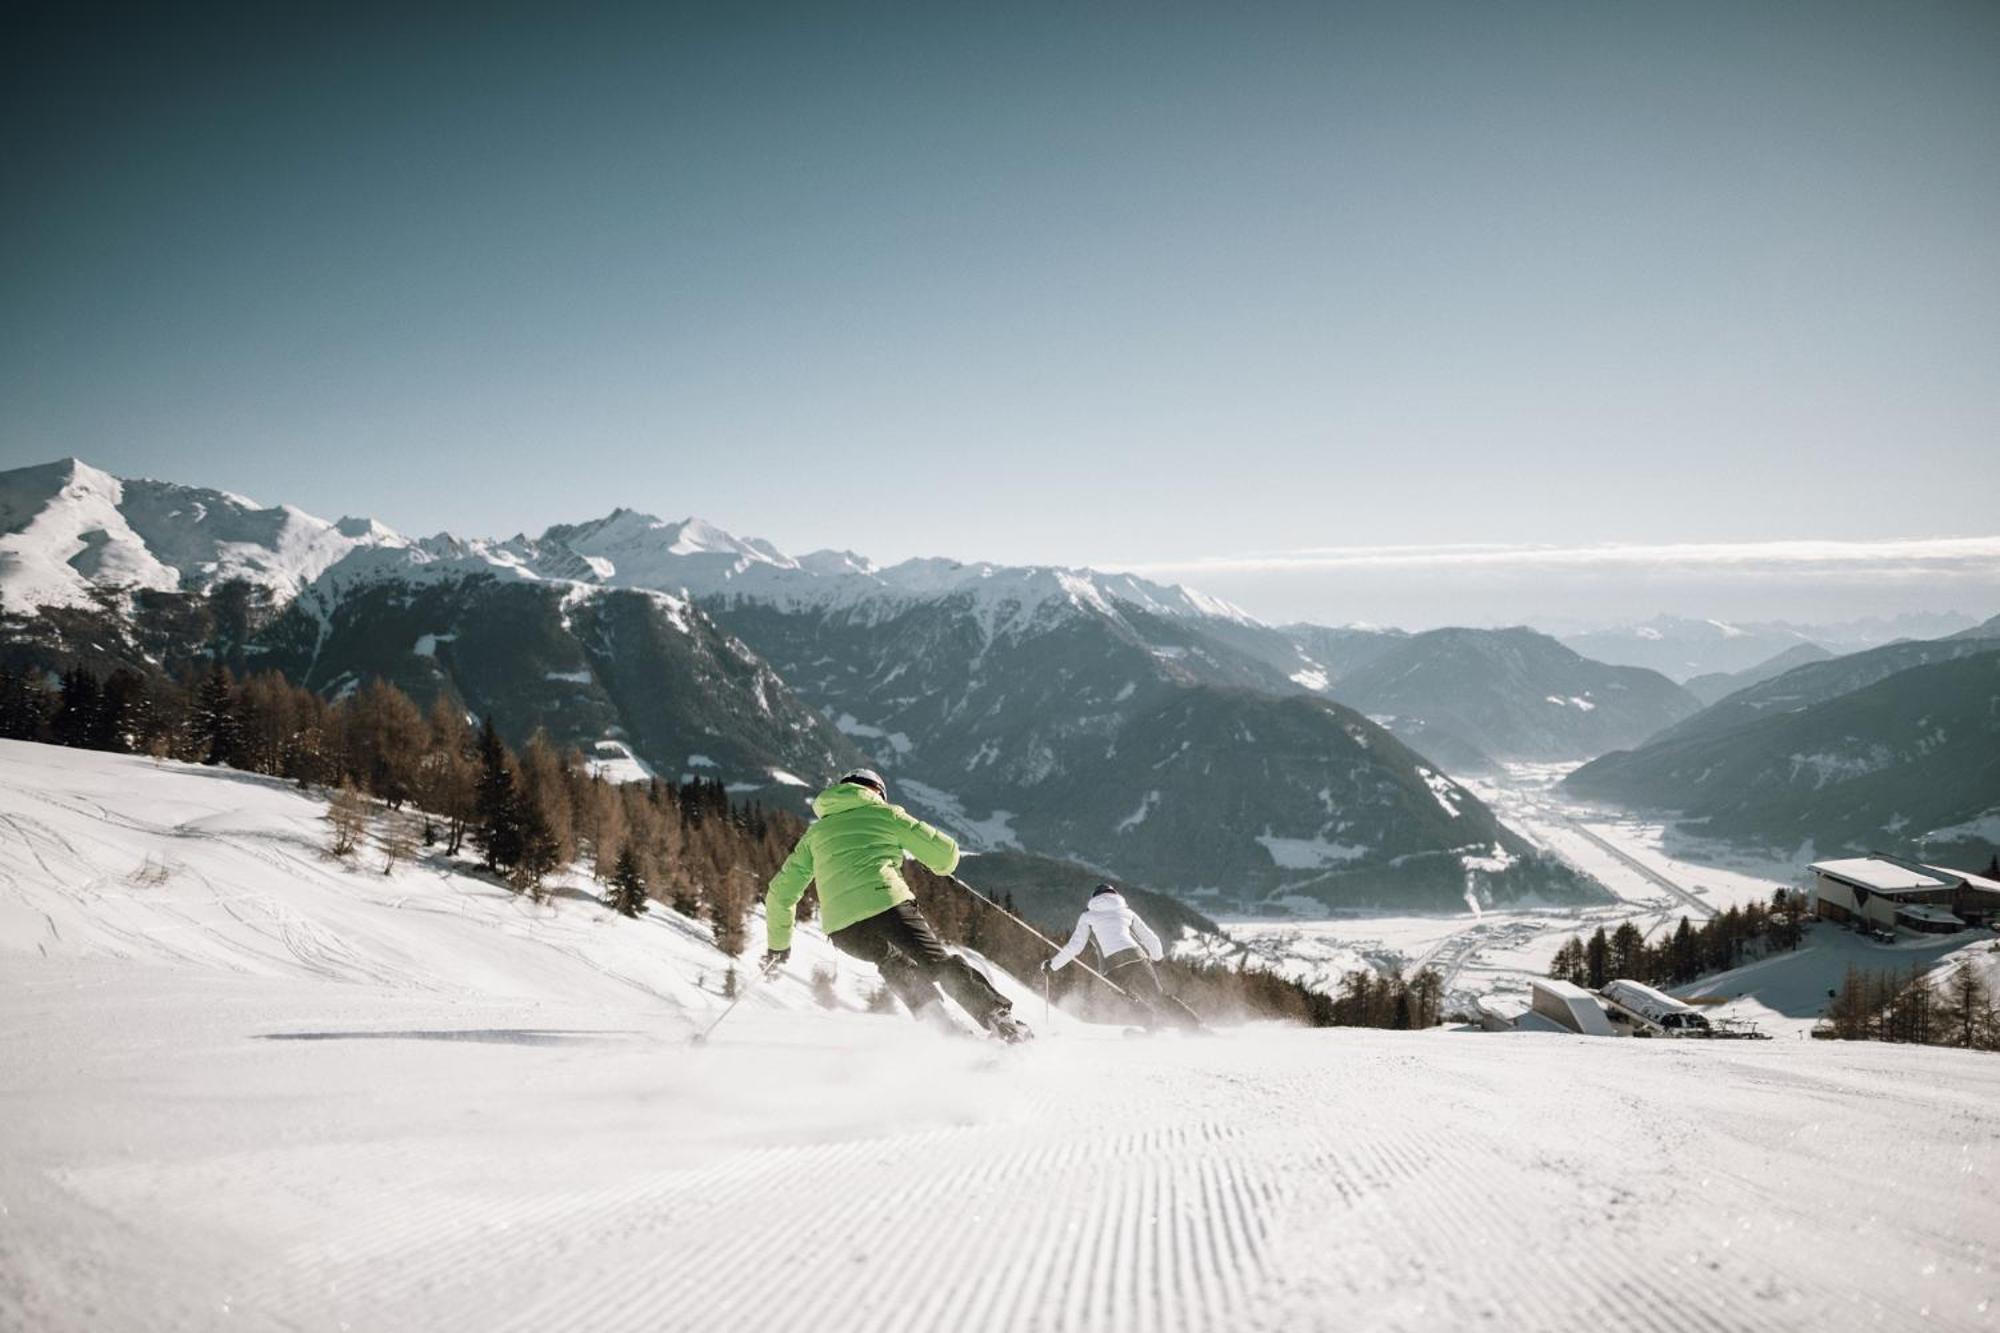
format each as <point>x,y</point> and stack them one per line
<point>1038,935</point>
<point>763,974</point>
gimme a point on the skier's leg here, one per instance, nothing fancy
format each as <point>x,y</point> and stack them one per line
<point>873,940</point>
<point>911,935</point>
<point>1166,1008</point>
<point>1133,972</point>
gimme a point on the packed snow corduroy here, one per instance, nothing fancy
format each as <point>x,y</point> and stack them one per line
<point>854,852</point>
<point>1116,926</point>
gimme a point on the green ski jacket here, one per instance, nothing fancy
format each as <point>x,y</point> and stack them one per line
<point>855,851</point>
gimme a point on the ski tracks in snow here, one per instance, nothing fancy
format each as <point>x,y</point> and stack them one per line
<point>1280,1181</point>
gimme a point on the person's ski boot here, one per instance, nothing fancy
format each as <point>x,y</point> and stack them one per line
<point>1009,1029</point>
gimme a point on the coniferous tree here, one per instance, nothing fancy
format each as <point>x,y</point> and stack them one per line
<point>1570,963</point>
<point>123,715</point>
<point>23,706</point>
<point>628,885</point>
<point>1684,954</point>
<point>497,831</point>
<point>77,708</point>
<point>1597,960</point>
<point>215,728</point>
<point>538,859</point>
<point>1628,948</point>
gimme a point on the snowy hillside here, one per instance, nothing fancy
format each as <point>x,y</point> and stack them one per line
<point>250,1088</point>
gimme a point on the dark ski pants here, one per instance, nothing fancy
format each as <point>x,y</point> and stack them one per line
<point>1133,971</point>
<point>914,963</point>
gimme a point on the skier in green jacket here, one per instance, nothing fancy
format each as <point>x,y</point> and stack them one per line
<point>855,852</point>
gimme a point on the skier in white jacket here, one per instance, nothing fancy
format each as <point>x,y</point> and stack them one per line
<point>1129,948</point>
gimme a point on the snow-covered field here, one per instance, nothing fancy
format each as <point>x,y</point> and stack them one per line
<point>1496,950</point>
<point>245,1087</point>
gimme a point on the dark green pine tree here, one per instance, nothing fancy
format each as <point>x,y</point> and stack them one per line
<point>1628,949</point>
<point>628,886</point>
<point>124,714</point>
<point>497,826</point>
<point>1684,954</point>
<point>218,735</point>
<point>77,709</point>
<point>24,706</point>
<point>1597,959</point>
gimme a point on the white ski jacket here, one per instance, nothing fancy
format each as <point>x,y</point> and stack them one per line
<point>1116,927</point>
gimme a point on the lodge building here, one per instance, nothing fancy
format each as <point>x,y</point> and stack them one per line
<point>1886,892</point>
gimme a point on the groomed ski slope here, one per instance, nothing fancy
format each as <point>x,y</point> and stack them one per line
<point>263,1091</point>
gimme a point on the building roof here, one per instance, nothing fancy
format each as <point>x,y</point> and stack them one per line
<point>1880,874</point>
<point>1928,912</point>
<point>1973,881</point>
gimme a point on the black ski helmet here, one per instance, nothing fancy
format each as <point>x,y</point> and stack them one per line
<point>1106,887</point>
<point>868,777</point>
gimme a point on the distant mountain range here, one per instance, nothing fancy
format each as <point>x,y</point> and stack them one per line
<point>1509,694</point>
<point>1682,648</point>
<point>1719,685</point>
<point>1142,729</point>
<point>1897,749</point>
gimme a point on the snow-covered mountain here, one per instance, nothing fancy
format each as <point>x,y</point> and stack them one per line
<point>155,576</point>
<point>68,531</point>
<point>1143,728</point>
<point>1137,727</point>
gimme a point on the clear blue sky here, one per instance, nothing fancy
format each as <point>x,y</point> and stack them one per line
<point>1146,283</point>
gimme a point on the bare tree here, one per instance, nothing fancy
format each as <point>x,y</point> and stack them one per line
<point>399,839</point>
<point>347,813</point>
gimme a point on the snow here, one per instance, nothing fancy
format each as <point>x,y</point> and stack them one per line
<point>994,832</point>
<point>1442,788</point>
<point>700,761</point>
<point>783,778</point>
<point>573,677</point>
<point>1312,678</point>
<point>1307,853</point>
<point>427,644</point>
<point>614,761</point>
<point>1138,817</point>
<point>267,1091</point>
<point>1869,872</point>
<point>1125,692</point>
<point>71,529</point>
<point>1491,862</point>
